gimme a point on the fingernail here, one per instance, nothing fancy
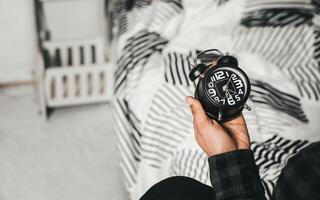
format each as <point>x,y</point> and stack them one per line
<point>189,101</point>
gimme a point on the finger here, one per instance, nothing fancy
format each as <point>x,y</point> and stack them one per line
<point>238,129</point>
<point>239,120</point>
<point>195,129</point>
<point>199,116</point>
<point>236,126</point>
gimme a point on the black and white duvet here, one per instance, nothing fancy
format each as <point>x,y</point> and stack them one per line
<point>277,44</point>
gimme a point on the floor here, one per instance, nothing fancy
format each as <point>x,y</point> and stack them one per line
<point>70,157</point>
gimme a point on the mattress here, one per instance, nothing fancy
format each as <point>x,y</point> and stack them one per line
<point>277,45</point>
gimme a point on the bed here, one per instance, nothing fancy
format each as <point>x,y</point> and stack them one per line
<point>277,44</point>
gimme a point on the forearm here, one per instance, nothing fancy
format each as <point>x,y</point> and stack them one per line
<point>234,176</point>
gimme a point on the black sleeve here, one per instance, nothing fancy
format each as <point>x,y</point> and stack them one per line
<point>234,176</point>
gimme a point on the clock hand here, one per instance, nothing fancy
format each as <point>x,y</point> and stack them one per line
<point>228,81</point>
<point>227,91</point>
<point>227,88</point>
<point>232,91</point>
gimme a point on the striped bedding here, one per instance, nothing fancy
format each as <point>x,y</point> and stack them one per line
<point>277,44</point>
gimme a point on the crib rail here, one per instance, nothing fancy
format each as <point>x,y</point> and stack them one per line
<point>67,86</point>
<point>74,53</point>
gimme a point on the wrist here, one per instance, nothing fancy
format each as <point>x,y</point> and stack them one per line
<point>221,150</point>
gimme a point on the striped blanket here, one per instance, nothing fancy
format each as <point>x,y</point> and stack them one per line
<point>277,44</point>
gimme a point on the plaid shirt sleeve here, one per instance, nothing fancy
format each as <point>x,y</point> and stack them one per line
<point>235,176</point>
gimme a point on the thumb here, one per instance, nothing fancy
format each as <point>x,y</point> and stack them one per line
<point>199,115</point>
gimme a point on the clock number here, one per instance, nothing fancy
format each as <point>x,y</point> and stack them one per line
<point>223,101</point>
<point>234,77</point>
<point>238,84</point>
<point>219,75</point>
<point>237,97</point>
<point>240,91</point>
<point>212,92</point>
<point>210,85</point>
<point>231,101</point>
<point>217,99</point>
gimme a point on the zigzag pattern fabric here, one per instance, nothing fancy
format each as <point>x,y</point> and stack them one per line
<point>277,45</point>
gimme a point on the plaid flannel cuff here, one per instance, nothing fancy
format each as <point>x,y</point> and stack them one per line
<point>235,174</point>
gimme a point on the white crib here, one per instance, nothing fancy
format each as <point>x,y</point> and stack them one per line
<point>78,74</point>
<point>84,77</point>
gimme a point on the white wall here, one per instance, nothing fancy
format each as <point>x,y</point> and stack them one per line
<point>18,43</point>
<point>17,40</point>
<point>74,19</point>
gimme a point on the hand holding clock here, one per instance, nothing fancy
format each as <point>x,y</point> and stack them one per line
<point>215,138</point>
<point>222,88</point>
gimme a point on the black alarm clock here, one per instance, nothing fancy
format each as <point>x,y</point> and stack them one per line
<point>223,88</point>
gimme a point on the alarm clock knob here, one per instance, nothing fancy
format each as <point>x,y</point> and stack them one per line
<point>228,60</point>
<point>197,71</point>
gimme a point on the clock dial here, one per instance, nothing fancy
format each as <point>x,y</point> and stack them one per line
<point>227,86</point>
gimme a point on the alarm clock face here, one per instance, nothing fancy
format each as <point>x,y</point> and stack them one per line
<point>227,86</point>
